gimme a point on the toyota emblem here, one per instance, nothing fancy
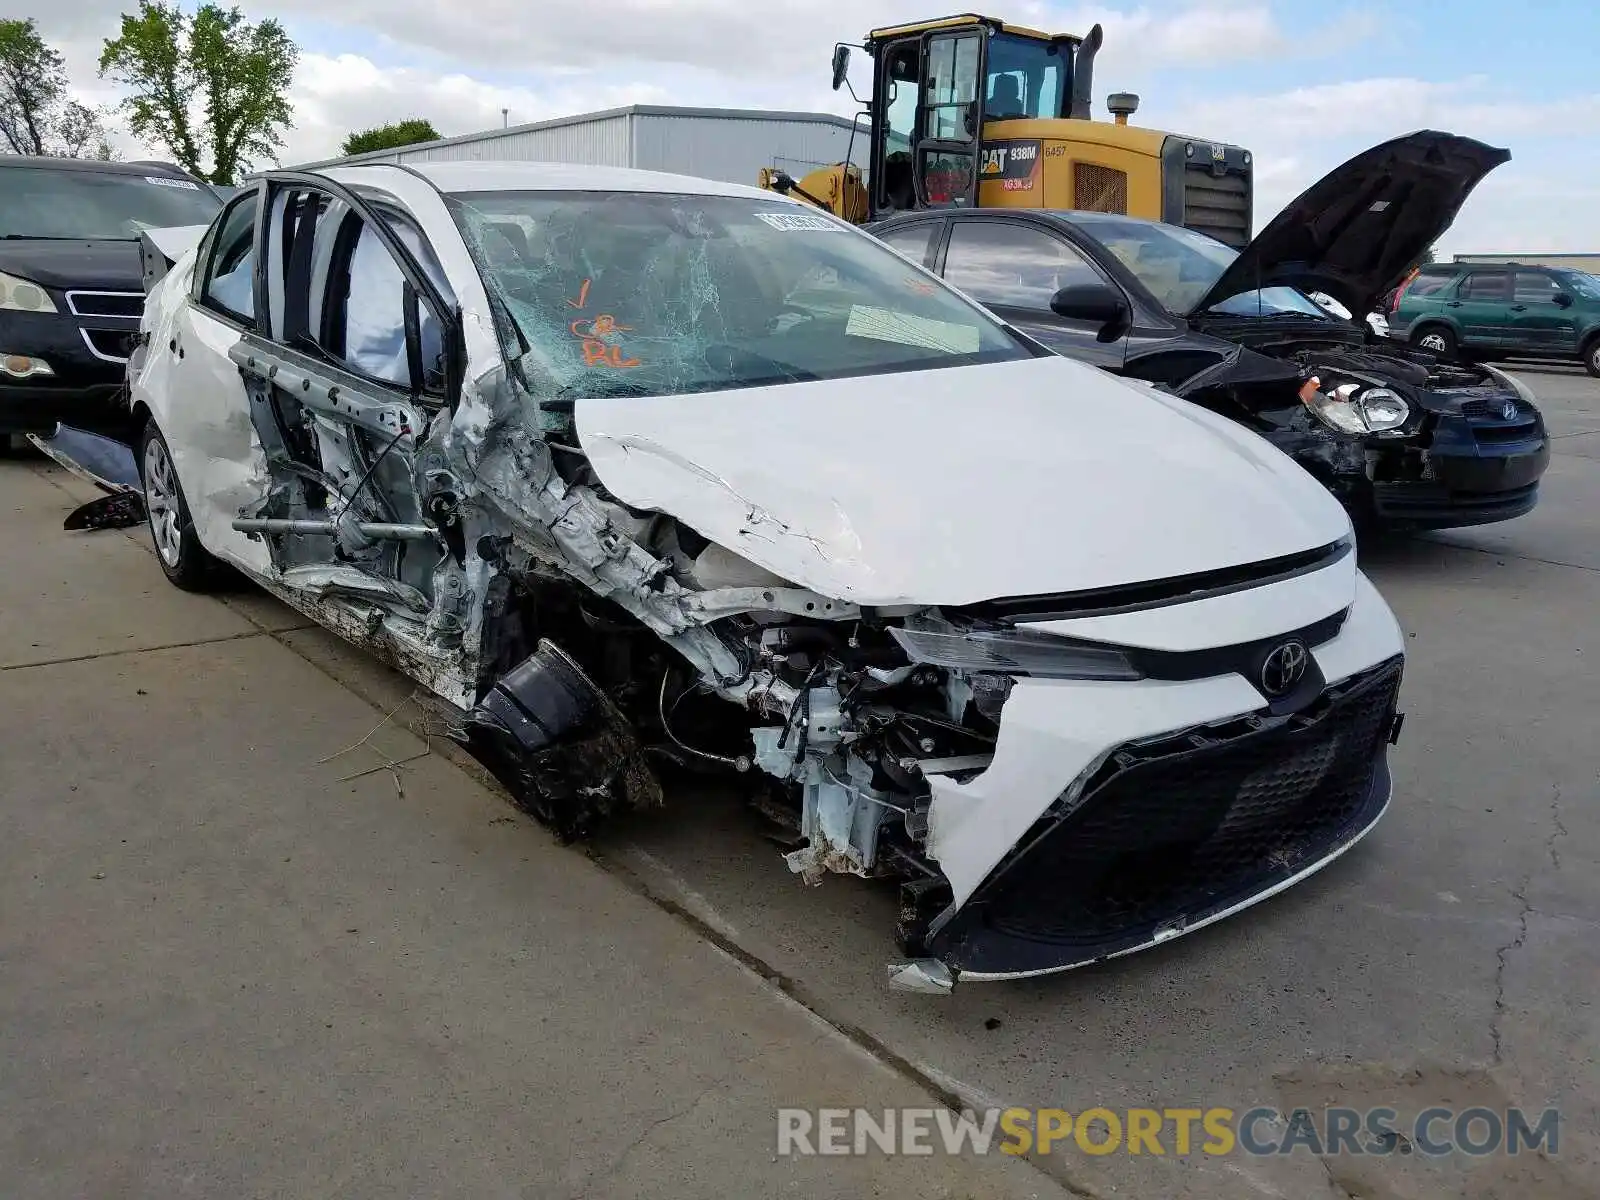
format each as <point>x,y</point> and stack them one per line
<point>1284,668</point>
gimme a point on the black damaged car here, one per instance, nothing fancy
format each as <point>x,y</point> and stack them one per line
<point>71,283</point>
<point>1405,440</point>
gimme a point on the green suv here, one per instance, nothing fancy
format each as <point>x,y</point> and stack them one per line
<point>1477,311</point>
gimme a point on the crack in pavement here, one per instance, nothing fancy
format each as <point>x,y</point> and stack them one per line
<point>1559,829</point>
<point>1549,562</point>
<point>77,658</point>
<point>1502,955</point>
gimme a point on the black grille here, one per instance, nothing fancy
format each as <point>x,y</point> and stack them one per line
<point>106,304</point>
<point>1176,827</point>
<point>1218,205</point>
<point>1494,435</point>
<point>111,343</point>
<point>1490,424</point>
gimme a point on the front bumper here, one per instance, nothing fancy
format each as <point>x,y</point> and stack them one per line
<point>88,359</point>
<point>1101,793</point>
<point>1173,835</point>
<point>1481,467</point>
<point>31,409</point>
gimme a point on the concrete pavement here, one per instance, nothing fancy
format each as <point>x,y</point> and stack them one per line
<point>235,961</point>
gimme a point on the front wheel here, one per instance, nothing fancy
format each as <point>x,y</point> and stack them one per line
<point>1437,340</point>
<point>1591,357</point>
<point>184,560</point>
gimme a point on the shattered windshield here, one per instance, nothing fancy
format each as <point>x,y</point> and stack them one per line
<point>41,202</point>
<point>1180,266</point>
<point>645,294</point>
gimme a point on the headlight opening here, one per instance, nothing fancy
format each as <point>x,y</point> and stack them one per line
<point>1356,407</point>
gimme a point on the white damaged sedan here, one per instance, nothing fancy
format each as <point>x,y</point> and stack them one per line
<point>644,474</point>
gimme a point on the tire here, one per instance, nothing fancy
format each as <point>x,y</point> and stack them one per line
<point>1439,340</point>
<point>186,563</point>
<point>1591,356</point>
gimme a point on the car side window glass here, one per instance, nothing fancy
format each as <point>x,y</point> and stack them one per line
<point>1534,288</point>
<point>1000,263</point>
<point>913,241</point>
<point>368,329</point>
<point>229,285</point>
<point>1428,284</point>
<point>1482,285</point>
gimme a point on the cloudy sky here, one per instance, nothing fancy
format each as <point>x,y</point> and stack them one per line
<point>1302,83</point>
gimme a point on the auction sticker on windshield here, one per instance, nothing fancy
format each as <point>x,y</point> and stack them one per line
<point>172,183</point>
<point>797,222</point>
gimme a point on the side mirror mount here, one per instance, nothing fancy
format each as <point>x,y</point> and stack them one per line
<point>1093,302</point>
<point>1563,299</point>
<point>841,65</point>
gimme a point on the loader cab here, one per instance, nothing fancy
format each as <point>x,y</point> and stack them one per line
<point>934,86</point>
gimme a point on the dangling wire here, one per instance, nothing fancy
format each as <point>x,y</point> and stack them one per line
<point>742,763</point>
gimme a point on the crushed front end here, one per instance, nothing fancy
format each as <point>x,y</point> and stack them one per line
<point>1404,441</point>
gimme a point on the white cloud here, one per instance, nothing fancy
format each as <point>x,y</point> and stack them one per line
<point>1396,105</point>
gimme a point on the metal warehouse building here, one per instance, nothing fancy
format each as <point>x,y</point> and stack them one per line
<point>726,144</point>
<point>1578,262</point>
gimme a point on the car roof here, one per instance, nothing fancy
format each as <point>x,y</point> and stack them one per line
<point>452,177</point>
<point>1065,216</point>
<point>25,161</point>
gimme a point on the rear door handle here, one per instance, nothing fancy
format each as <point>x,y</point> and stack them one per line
<point>1452,304</point>
<point>1519,308</point>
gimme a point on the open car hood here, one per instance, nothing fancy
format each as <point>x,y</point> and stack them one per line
<point>948,487</point>
<point>1355,232</point>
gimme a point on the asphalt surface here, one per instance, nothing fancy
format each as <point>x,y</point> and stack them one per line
<point>1452,959</point>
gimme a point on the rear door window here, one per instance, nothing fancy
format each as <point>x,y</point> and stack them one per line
<point>1016,266</point>
<point>1535,287</point>
<point>914,240</point>
<point>1429,283</point>
<point>1486,285</point>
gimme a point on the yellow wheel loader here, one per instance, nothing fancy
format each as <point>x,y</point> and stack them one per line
<point>972,111</point>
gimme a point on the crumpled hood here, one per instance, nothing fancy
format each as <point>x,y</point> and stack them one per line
<point>1355,232</point>
<point>107,264</point>
<point>952,486</point>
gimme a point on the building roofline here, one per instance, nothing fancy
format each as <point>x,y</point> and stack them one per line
<point>631,110</point>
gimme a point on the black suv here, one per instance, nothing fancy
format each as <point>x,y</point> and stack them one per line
<point>1477,310</point>
<point>71,285</point>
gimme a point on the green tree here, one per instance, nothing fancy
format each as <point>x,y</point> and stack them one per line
<point>387,137</point>
<point>37,116</point>
<point>208,85</point>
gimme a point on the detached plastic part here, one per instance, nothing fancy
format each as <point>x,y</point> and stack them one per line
<point>557,741</point>
<point>927,976</point>
<point>105,462</point>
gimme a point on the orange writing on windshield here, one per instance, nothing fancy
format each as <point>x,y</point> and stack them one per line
<point>600,354</point>
<point>598,334</point>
